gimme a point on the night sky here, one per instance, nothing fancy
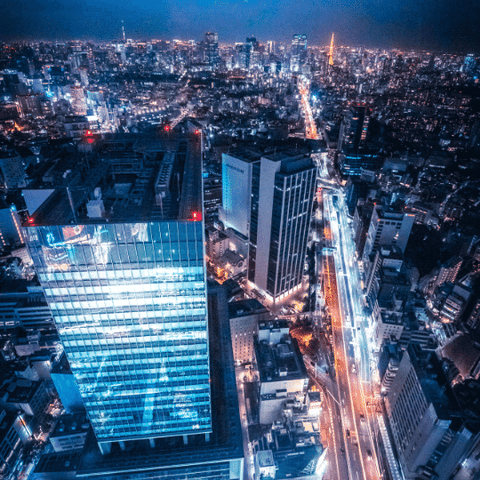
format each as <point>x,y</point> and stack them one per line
<point>441,25</point>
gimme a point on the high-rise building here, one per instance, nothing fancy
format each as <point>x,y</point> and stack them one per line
<point>386,257</point>
<point>218,456</point>
<point>388,227</point>
<point>121,259</point>
<point>352,142</point>
<point>283,189</point>
<point>11,233</point>
<point>211,49</point>
<point>449,270</point>
<point>251,51</point>
<point>429,433</point>
<point>237,167</point>
<point>271,47</point>
<point>298,52</point>
<point>353,131</point>
<point>79,103</point>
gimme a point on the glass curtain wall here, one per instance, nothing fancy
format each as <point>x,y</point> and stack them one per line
<point>129,302</point>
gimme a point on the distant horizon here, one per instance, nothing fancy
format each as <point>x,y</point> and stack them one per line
<point>431,25</point>
<point>232,42</point>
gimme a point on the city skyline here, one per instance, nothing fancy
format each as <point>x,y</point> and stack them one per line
<point>236,262</point>
<point>373,23</point>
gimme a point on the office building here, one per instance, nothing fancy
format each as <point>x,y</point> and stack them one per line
<point>79,104</point>
<point>387,227</point>
<point>237,174</point>
<point>121,259</point>
<point>283,189</point>
<point>271,47</point>
<point>70,432</point>
<point>352,143</point>
<point>211,49</point>
<point>251,52</point>
<point>218,456</point>
<point>293,447</point>
<point>21,394</point>
<point>473,321</point>
<point>388,327</point>
<point>361,222</point>
<point>353,130</point>
<point>298,52</point>
<point>429,434</point>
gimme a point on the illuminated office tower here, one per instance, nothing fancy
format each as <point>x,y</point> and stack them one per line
<point>251,52</point>
<point>282,193</point>
<point>211,49</point>
<point>237,167</point>
<point>271,47</point>
<point>298,52</point>
<point>120,256</point>
<point>353,130</point>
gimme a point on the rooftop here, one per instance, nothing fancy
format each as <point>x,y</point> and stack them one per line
<point>127,177</point>
<point>279,362</point>
<point>71,424</point>
<point>248,155</point>
<point>243,308</point>
<point>20,390</point>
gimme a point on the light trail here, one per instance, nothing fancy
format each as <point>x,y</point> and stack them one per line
<point>348,278</point>
<point>310,126</point>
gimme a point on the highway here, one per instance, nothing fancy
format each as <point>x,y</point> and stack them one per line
<point>310,126</point>
<point>352,423</point>
<point>350,397</point>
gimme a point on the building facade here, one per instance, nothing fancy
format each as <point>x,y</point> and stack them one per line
<point>283,189</point>
<point>128,296</point>
<point>237,168</point>
<point>388,227</point>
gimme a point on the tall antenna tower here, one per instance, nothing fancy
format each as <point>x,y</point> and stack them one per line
<point>123,31</point>
<point>330,55</point>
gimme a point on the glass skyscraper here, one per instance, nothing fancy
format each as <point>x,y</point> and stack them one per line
<point>125,280</point>
<point>283,189</point>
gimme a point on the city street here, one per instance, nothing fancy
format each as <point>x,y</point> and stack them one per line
<point>350,419</point>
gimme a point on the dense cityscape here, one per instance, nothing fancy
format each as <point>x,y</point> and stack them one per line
<point>238,261</point>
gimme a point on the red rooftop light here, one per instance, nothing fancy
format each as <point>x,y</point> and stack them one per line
<point>30,220</point>
<point>89,132</point>
<point>166,128</point>
<point>196,216</point>
<point>197,132</point>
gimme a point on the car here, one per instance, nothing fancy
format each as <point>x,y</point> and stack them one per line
<point>369,453</point>
<point>348,433</point>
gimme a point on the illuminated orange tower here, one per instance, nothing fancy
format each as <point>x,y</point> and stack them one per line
<point>330,55</point>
